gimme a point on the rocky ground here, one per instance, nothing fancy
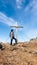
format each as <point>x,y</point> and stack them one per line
<point>21,54</point>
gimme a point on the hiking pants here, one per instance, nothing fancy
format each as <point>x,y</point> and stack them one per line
<point>12,40</point>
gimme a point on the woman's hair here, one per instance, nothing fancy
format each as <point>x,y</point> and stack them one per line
<point>11,30</point>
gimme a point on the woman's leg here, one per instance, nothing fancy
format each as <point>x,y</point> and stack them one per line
<point>11,41</point>
<point>15,40</point>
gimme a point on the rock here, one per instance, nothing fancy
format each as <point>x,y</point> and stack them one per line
<point>19,54</point>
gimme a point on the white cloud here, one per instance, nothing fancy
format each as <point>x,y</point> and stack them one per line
<point>19,3</point>
<point>30,10</point>
<point>33,5</point>
<point>6,20</point>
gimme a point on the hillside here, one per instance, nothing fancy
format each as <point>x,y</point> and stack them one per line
<point>21,54</point>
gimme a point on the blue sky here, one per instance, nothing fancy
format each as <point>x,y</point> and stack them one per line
<point>23,12</point>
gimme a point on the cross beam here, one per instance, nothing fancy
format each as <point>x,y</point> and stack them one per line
<point>17,26</point>
<point>17,30</point>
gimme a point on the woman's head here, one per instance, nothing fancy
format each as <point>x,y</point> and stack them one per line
<point>11,30</point>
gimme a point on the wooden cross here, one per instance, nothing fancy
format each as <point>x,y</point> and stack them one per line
<point>16,26</point>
